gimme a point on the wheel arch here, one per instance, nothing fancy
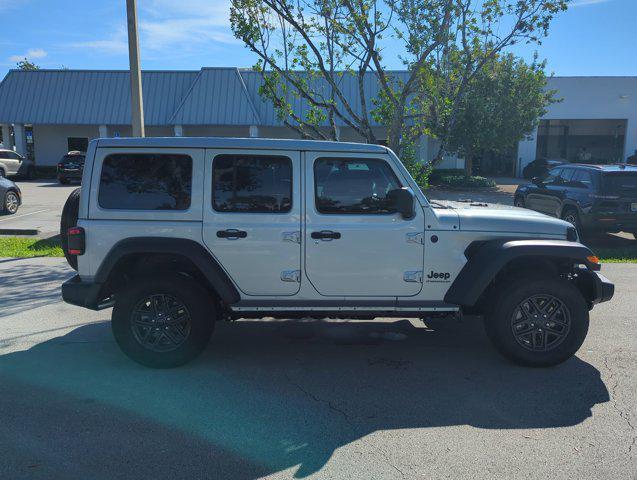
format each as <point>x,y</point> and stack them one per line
<point>494,260</point>
<point>143,255</point>
<point>569,205</point>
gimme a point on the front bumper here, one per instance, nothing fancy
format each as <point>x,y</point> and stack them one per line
<point>604,289</point>
<point>84,294</point>
<point>69,173</point>
<point>611,222</point>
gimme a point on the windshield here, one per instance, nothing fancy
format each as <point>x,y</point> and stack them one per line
<point>621,182</point>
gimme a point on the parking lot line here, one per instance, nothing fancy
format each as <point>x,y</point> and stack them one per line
<point>13,217</point>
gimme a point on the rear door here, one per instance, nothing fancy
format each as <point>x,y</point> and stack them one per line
<point>12,161</point>
<point>252,218</point>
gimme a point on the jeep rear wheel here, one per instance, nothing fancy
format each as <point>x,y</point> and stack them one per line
<point>70,213</point>
<point>163,321</point>
<point>538,322</point>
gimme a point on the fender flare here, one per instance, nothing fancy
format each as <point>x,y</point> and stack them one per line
<point>487,259</point>
<point>189,249</point>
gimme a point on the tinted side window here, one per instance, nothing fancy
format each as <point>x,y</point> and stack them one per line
<point>252,184</point>
<point>582,179</point>
<point>554,176</point>
<point>349,185</point>
<point>146,182</point>
<point>567,174</point>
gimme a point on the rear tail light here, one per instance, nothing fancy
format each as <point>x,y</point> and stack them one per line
<point>60,165</point>
<point>76,241</point>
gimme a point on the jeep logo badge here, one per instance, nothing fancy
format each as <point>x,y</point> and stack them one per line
<point>438,276</point>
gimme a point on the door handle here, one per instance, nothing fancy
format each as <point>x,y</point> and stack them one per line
<point>326,235</point>
<point>232,234</point>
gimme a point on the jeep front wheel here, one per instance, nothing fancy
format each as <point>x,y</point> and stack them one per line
<point>163,321</point>
<point>538,322</point>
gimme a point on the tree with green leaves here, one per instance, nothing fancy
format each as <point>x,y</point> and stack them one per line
<point>500,107</point>
<point>314,53</point>
<point>26,64</point>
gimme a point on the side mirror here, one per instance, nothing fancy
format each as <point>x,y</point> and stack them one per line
<point>403,200</point>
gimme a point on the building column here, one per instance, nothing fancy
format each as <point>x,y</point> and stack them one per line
<point>630,140</point>
<point>7,141</point>
<point>178,130</point>
<point>526,152</point>
<point>254,131</point>
<point>103,131</point>
<point>20,139</point>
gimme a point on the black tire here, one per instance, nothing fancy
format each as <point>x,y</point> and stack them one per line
<point>70,213</point>
<point>183,290</point>
<point>507,331</point>
<point>63,180</point>
<point>11,202</point>
<point>2,173</point>
<point>519,202</point>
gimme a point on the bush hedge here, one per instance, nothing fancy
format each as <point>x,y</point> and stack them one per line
<point>464,181</point>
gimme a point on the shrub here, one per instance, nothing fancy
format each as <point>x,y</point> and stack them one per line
<point>437,173</point>
<point>463,181</point>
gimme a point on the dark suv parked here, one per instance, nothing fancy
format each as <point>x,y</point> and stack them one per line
<point>71,167</point>
<point>599,198</point>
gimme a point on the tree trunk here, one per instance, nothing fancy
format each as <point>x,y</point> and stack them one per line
<point>468,165</point>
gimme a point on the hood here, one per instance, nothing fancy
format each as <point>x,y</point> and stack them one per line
<point>483,217</point>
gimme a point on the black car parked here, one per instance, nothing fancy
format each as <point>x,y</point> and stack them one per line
<point>540,167</point>
<point>600,198</point>
<point>71,167</point>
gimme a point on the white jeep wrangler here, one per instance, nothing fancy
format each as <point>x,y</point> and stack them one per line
<point>177,233</point>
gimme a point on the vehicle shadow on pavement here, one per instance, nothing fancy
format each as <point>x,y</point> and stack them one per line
<point>32,285</point>
<point>265,397</point>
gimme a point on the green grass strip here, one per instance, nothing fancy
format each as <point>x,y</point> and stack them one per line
<point>19,247</point>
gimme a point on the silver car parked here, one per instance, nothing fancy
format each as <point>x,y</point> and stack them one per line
<point>13,164</point>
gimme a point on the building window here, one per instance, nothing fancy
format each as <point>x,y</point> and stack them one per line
<point>353,186</point>
<point>582,141</point>
<point>252,184</point>
<point>77,144</point>
<point>146,182</point>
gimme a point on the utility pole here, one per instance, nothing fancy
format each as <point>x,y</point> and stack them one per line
<point>137,101</point>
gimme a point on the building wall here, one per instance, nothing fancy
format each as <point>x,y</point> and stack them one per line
<point>240,131</point>
<point>589,98</point>
<point>50,141</point>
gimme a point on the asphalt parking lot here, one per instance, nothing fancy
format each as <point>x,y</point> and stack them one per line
<point>308,399</point>
<point>42,202</point>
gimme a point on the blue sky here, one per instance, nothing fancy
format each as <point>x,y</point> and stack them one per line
<point>595,37</point>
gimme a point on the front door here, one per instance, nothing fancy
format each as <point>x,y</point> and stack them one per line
<point>252,218</point>
<point>542,196</point>
<point>355,242</point>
